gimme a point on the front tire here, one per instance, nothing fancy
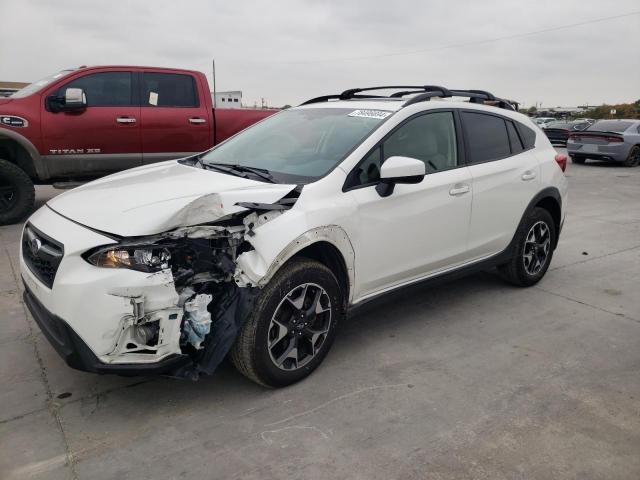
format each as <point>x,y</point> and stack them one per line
<point>633,159</point>
<point>292,326</point>
<point>17,193</point>
<point>535,241</point>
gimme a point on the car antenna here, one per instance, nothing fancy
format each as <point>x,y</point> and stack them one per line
<point>213,80</point>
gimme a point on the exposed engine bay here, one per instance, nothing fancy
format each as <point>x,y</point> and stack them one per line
<point>203,297</point>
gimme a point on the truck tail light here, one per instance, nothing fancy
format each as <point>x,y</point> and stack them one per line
<point>562,161</point>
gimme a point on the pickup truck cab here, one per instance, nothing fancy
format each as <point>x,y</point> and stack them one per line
<point>92,121</point>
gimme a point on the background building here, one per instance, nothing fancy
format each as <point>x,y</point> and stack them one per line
<point>231,99</point>
<point>7,88</point>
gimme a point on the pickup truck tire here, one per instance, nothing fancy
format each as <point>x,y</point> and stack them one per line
<point>297,310</point>
<point>17,193</point>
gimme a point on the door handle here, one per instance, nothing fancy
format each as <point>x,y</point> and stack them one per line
<point>459,189</point>
<point>125,120</point>
<point>528,175</point>
<point>197,120</point>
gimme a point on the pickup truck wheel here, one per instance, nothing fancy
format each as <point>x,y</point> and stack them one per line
<point>17,193</point>
<point>292,326</point>
<point>633,160</point>
<point>533,250</point>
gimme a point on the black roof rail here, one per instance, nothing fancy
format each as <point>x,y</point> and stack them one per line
<point>422,93</point>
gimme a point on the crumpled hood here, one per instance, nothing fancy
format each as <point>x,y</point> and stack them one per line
<point>157,198</point>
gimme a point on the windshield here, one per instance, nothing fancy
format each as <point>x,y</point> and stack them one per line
<point>36,86</point>
<point>298,145</point>
<point>610,126</point>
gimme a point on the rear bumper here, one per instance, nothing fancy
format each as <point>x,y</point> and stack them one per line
<point>612,153</point>
<point>77,354</point>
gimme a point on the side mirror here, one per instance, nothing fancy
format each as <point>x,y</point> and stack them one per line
<point>399,170</point>
<point>74,99</point>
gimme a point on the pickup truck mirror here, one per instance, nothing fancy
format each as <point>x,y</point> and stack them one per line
<point>74,99</point>
<point>399,170</point>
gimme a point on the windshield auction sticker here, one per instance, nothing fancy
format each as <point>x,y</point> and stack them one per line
<point>379,114</point>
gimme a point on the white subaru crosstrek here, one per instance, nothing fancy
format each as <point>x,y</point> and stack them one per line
<point>258,247</point>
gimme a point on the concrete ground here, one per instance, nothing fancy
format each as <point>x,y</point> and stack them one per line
<point>473,379</point>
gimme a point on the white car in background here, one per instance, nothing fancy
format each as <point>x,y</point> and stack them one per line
<point>259,246</point>
<point>542,122</point>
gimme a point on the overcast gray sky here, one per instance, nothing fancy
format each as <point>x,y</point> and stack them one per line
<point>288,51</point>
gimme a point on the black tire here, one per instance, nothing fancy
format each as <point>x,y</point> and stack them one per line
<point>576,159</point>
<point>17,193</point>
<point>250,353</point>
<point>633,159</point>
<point>516,270</point>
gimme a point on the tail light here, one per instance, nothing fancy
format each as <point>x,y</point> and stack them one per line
<point>613,139</point>
<point>562,161</point>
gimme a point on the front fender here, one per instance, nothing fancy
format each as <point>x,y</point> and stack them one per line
<point>255,270</point>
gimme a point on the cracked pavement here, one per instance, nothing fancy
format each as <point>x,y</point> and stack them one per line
<point>472,379</point>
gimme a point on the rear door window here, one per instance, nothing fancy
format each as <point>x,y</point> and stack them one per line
<point>487,137</point>
<point>168,90</point>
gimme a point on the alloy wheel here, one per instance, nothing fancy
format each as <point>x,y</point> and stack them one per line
<point>536,248</point>
<point>299,326</point>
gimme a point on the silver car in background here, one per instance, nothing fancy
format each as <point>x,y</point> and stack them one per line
<point>610,140</point>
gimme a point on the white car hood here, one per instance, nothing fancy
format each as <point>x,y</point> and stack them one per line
<point>157,198</point>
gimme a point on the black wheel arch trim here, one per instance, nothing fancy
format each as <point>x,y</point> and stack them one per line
<point>548,192</point>
<point>36,159</point>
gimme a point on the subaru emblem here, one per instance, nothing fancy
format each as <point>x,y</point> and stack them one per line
<point>35,245</point>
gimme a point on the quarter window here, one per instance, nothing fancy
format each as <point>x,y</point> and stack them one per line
<point>514,138</point>
<point>487,137</point>
<point>528,136</point>
<point>169,90</point>
<point>105,89</point>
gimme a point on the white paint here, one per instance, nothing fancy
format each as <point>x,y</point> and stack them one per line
<point>396,167</point>
<point>451,218</point>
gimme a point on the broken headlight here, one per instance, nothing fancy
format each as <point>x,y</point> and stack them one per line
<point>140,258</point>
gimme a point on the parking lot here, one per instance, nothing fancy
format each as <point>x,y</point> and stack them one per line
<point>472,379</point>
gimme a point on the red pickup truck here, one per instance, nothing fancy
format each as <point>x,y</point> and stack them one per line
<point>92,121</point>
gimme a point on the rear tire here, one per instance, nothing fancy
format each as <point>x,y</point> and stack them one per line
<point>633,159</point>
<point>579,160</point>
<point>263,351</point>
<point>535,241</point>
<point>17,193</point>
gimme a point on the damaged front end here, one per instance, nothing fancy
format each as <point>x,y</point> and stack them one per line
<point>198,297</point>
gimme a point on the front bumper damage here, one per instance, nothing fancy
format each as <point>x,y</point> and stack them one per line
<point>180,321</point>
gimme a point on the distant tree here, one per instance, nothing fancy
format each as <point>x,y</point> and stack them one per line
<point>623,110</point>
<point>532,110</point>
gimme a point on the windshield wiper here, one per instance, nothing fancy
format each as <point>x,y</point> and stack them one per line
<point>241,171</point>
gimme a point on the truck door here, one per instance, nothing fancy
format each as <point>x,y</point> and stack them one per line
<point>100,139</point>
<point>175,121</point>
